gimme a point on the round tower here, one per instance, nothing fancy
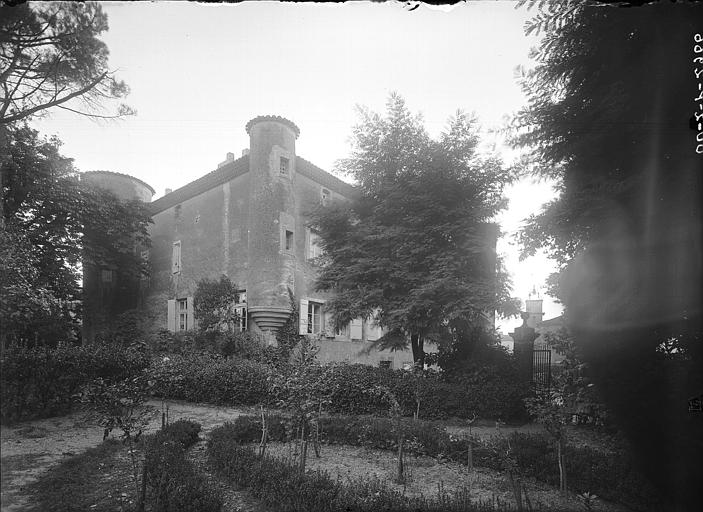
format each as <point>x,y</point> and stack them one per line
<point>124,186</point>
<point>106,293</point>
<point>272,220</point>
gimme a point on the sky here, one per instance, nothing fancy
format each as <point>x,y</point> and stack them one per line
<point>199,72</point>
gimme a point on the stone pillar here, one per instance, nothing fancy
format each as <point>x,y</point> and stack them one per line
<point>273,240</point>
<point>524,344</point>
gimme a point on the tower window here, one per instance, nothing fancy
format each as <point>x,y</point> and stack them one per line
<point>289,240</point>
<point>284,166</point>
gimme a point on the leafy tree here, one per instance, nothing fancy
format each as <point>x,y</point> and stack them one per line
<point>63,223</point>
<point>213,304</point>
<point>50,56</point>
<point>609,115</point>
<point>415,250</point>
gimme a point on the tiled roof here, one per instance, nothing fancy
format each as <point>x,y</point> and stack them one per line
<point>323,177</point>
<point>238,167</point>
<point>217,177</point>
<point>279,119</point>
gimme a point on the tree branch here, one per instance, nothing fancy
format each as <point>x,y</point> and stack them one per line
<point>53,103</point>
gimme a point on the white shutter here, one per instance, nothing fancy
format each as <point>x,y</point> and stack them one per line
<point>355,329</point>
<point>176,258</point>
<point>190,312</point>
<point>303,317</point>
<point>171,316</point>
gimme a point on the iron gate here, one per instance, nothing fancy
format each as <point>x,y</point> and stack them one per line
<point>541,369</point>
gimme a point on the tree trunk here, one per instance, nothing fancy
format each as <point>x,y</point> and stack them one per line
<point>417,345</point>
<point>562,467</point>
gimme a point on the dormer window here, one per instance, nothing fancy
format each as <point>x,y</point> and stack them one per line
<point>284,166</point>
<point>325,196</point>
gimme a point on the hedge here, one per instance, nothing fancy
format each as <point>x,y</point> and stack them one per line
<point>209,378</point>
<point>173,482</point>
<point>40,382</point>
<point>348,388</point>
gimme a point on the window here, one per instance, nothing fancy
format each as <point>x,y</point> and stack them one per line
<point>289,240</point>
<point>312,318</point>
<point>176,258</point>
<point>314,247</point>
<point>106,276</point>
<point>240,310</point>
<point>385,364</point>
<point>182,320</point>
<point>285,163</point>
<point>180,315</point>
<point>325,196</point>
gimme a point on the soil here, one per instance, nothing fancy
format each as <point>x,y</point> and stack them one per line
<point>29,449</point>
<point>424,476</point>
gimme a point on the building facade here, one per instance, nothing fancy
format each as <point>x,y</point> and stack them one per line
<point>247,220</point>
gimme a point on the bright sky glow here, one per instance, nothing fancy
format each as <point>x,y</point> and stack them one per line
<point>199,72</point>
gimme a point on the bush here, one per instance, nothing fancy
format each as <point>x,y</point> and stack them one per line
<point>212,379</point>
<point>173,482</point>
<point>40,381</point>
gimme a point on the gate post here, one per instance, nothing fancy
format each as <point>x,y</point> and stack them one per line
<point>524,344</point>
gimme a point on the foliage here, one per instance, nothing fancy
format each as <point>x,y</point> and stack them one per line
<point>39,382</point>
<point>626,225</point>
<point>120,405</point>
<point>343,388</point>
<point>173,482</point>
<point>56,222</point>
<point>213,304</point>
<point>29,310</point>
<point>415,250</point>
<point>208,378</point>
<point>50,54</point>
<point>278,485</point>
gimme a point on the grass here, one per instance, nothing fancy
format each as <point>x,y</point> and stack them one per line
<point>98,480</point>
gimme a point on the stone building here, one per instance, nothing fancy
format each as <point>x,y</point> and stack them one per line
<point>247,220</point>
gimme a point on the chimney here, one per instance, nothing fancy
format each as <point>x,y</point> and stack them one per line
<point>168,191</point>
<point>228,159</point>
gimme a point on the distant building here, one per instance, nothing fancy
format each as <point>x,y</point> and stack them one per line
<point>247,220</point>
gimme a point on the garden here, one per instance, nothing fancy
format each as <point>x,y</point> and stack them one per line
<point>225,423</point>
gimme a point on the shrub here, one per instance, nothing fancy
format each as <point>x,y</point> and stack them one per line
<point>41,381</point>
<point>211,379</point>
<point>173,482</point>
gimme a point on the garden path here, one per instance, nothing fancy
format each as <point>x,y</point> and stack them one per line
<point>29,449</point>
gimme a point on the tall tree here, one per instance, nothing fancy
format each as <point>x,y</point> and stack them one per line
<point>415,250</point>
<point>610,111</point>
<point>50,56</point>
<point>60,223</point>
